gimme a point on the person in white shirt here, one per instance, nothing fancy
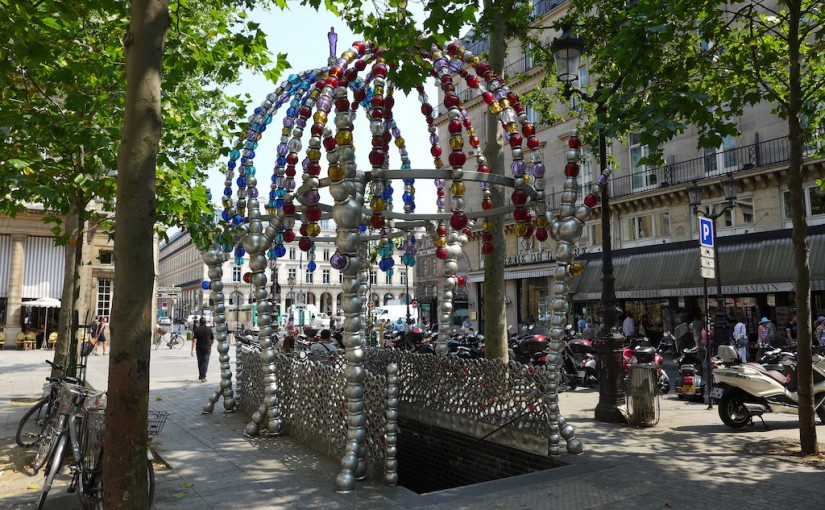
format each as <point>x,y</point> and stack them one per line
<point>740,336</point>
<point>628,327</point>
<point>325,345</point>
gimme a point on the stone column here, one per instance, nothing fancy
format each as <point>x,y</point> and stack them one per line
<point>15,299</point>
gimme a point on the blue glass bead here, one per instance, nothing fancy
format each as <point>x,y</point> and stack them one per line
<point>292,111</point>
<point>241,181</point>
<point>239,251</point>
<point>227,247</point>
<point>294,79</point>
<point>225,215</point>
<point>227,192</point>
<point>205,285</point>
<point>279,238</point>
<point>231,164</point>
<point>390,272</point>
<point>362,228</point>
<point>295,103</point>
<point>279,203</point>
<point>280,193</point>
<point>281,161</point>
<point>258,110</point>
<point>411,263</point>
<point>407,198</point>
<point>238,261</point>
<point>234,154</point>
<point>311,266</point>
<point>268,119</point>
<point>237,219</point>
<point>280,250</point>
<point>250,170</point>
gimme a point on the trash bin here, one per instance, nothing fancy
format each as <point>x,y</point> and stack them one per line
<point>642,397</point>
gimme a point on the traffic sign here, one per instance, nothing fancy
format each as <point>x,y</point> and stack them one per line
<point>414,303</point>
<point>707,273</point>
<point>706,232</point>
<point>706,252</point>
<point>708,262</point>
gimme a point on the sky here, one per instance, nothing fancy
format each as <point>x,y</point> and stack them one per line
<point>302,34</point>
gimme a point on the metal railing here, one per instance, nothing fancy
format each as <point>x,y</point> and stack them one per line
<point>716,164</point>
<point>544,6</point>
<point>522,65</point>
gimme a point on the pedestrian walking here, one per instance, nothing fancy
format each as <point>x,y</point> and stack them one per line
<point>790,330</point>
<point>767,334</point>
<point>628,327</point>
<point>740,336</point>
<point>100,335</point>
<point>204,338</point>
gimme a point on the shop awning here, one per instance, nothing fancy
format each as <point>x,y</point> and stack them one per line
<point>747,267</point>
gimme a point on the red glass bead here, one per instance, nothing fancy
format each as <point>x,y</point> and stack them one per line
<point>351,73</point>
<point>486,204</point>
<point>512,97</point>
<point>305,111</point>
<point>303,230</point>
<point>386,137</point>
<point>460,281</point>
<point>292,158</point>
<point>377,113</point>
<point>467,123</point>
<point>389,102</point>
<point>528,130</point>
<point>332,81</point>
<point>441,230</point>
<point>519,213</point>
<point>472,81</point>
<point>377,157</point>
<point>289,235</point>
<point>571,170</point>
<point>452,48</point>
<point>441,253</point>
<point>591,200</point>
<point>452,101</point>
<point>454,126</point>
<point>440,192</point>
<point>379,69</point>
<point>463,73</point>
<point>457,158</point>
<point>515,140</point>
<point>289,208</point>
<point>247,277</point>
<point>458,220</point>
<point>317,129</point>
<point>305,244</point>
<point>484,169</point>
<point>377,221</point>
<point>519,197</point>
<point>314,168</point>
<point>359,95</point>
<point>467,232</point>
<point>533,143</point>
<point>426,108</point>
<point>342,104</point>
<point>482,68</point>
<point>435,150</point>
<point>360,47</point>
<point>290,171</point>
<point>377,100</point>
<point>313,213</point>
<point>541,234</point>
<point>518,108</point>
<point>329,143</point>
<point>474,142</point>
<point>488,97</point>
<point>574,142</point>
<point>488,248</point>
<point>529,232</point>
<point>487,237</point>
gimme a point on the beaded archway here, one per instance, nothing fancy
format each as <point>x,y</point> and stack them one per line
<point>362,209</point>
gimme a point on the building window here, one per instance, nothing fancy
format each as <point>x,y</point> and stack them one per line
<point>292,254</point>
<point>404,277</point>
<point>340,277</point>
<point>740,216</point>
<point>374,280</point>
<point>326,254</point>
<point>292,273</point>
<point>814,202</point>
<point>647,226</point>
<point>532,115</point>
<point>638,171</point>
<point>236,273</point>
<point>581,83</point>
<point>387,278</point>
<point>105,257</point>
<point>105,286</point>
<point>308,277</point>
<point>722,158</point>
<point>387,298</point>
<point>325,276</point>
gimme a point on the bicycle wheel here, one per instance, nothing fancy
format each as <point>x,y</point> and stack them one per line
<point>90,492</point>
<point>47,442</point>
<point>53,468</point>
<point>31,425</point>
<point>176,342</point>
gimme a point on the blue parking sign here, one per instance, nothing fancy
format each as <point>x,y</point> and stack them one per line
<point>706,232</point>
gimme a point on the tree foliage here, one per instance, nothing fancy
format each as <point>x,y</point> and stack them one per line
<point>701,63</point>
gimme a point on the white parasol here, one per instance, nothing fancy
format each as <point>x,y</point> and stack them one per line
<point>47,303</point>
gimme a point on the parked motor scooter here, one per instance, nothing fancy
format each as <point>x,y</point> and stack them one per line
<point>587,370</point>
<point>634,353</point>
<point>745,390</point>
<point>690,382</point>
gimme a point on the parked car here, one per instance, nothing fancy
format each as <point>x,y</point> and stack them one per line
<point>191,321</point>
<point>164,321</point>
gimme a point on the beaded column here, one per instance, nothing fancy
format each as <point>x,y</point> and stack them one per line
<point>214,260</point>
<point>391,430</point>
<point>566,229</point>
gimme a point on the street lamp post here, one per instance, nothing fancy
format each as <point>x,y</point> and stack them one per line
<point>407,294</point>
<point>567,51</point>
<point>290,281</point>
<point>729,185</point>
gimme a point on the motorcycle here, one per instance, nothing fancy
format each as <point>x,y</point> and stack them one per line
<point>636,354</point>
<point>745,390</point>
<point>583,353</point>
<point>690,382</point>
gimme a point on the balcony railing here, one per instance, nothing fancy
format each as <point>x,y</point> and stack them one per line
<point>760,154</point>
<point>544,6</point>
<point>518,67</point>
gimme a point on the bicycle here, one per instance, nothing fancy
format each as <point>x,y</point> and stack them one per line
<point>176,341</point>
<point>79,427</point>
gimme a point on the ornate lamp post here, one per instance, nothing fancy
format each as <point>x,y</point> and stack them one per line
<point>729,185</point>
<point>567,50</point>
<point>407,292</point>
<point>290,282</point>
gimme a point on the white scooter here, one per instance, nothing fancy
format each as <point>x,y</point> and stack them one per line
<point>749,389</point>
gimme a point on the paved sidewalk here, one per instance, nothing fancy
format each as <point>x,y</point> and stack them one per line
<point>689,460</point>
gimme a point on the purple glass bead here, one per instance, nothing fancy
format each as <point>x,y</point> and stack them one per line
<point>500,94</point>
<point>301,123</point>
<point>455,65</point>
<point>485,185</point>
<point>538,169</point>
<point>288,122</point>
<point>439,63</point>
<point>440,183</point>
<point>283,150</point>
<point>518,168</point>
<point>338,261</point>
<point>396,132</point>
<point>313,197</point>
<point>440,202</point>
<point>305,164</point>
<point>290,184</point>
<point>324,104</point>
<point>252,193</point>
<point>603,180</point>
<point>433,139</point>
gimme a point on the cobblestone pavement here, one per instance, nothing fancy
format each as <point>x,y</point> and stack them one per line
<point>688,460</point>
